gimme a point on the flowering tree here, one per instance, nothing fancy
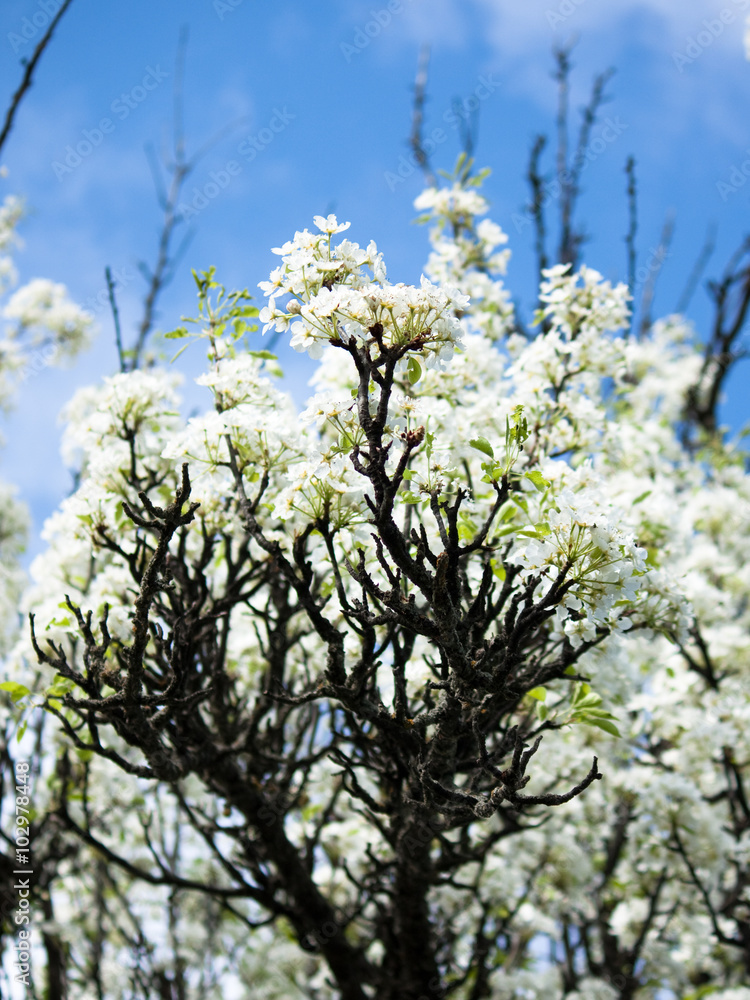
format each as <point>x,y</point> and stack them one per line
<point>329,697</point>
<point>435,689</point>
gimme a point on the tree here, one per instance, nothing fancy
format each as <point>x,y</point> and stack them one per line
<point>436,689</point>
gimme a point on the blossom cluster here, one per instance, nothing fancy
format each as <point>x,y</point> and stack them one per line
<point>332,300</point>
<point>466,253</point>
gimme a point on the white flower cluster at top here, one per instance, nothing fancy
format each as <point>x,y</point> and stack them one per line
<point>332,299</point>
<point>465,254</point>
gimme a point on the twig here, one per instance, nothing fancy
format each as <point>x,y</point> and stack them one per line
<point>26,80</point>
<point>695,275</point>
<point>417,118</point>
<point>468,127</point>
<point>731,297</point>
<point>536,182</point>
<point>653,275</point>
<point>115,318</point>
<point>590,112</point>
<point>561,76</point>
<point>179,169</point>
<point>632,225</point>
<point>569,176</point>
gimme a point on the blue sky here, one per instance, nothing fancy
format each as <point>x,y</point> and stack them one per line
<point>320,97</point>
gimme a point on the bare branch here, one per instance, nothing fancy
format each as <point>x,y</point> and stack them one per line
<point>698,268</point>
<point>417,120</point>
<point>659,255</point>
<point>27,78</point>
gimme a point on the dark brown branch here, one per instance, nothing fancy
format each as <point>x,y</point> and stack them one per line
<point>632,225</point>
<point>27,78</point>
<point>536,182</point>
<point>115,319</point>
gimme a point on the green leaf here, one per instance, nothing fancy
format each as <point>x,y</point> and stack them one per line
<point>701,992</point>
<point>643,496</point>
<point>579,692</point>
<point>538,693</point>
<point>493,471</point>
<point>537,479</point>
<point>177,334</point>
<point>605,724</point>
<point>263,355</point>
<point>498,569</point>
<point>15,690</point>
<point>181,350</point>
<point>59,689</point>
<point>520,426</point>
<point>508,511</point>
<point>414,371</point>
<point>589,701</point>
<point>483,445</point>
<point>22,730</point>
<point>505,531</point>
<point>539,531</point>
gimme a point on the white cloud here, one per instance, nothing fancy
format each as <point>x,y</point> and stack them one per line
<point>536,23</point>
<point>523,35</point>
